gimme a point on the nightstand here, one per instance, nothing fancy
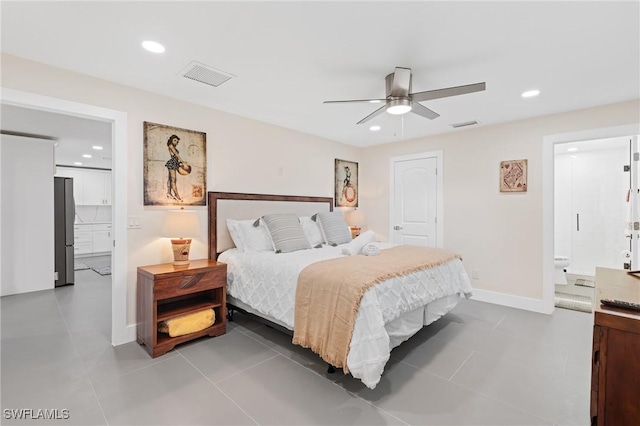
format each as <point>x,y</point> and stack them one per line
<point>166,291</point>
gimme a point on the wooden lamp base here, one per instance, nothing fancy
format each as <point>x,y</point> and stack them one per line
<point>181,248</point>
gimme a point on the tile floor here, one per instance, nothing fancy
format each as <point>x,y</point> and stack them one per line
<point>481,364</point>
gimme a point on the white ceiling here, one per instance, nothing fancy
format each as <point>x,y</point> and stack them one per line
<point>288,57</point>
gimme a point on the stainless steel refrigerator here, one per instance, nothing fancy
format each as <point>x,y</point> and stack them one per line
<point>64,217</point>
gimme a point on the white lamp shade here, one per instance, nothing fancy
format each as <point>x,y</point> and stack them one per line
<point>355,218</point>
<point>180,224</point>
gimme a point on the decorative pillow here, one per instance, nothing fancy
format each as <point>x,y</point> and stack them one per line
<point>252,238</point>
<point>312,231</point>
<point>286,232</point>
<point>334,228</point>
<point>234,231</point>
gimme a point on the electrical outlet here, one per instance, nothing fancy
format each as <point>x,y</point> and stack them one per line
<point>475,274</point>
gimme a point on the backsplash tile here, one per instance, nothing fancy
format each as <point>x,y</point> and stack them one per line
<point>89,214</point>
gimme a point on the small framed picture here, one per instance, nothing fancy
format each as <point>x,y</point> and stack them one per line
<point>346,183</point>
<point>175,166</point>
<point>513,176</point>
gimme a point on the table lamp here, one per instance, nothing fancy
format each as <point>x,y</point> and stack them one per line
<point>355,220</point>
<point>180,225</point>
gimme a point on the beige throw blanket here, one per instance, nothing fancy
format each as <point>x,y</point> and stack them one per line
<point>328,295</point>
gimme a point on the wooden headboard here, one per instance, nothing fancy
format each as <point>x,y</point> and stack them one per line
<point>240,206</point>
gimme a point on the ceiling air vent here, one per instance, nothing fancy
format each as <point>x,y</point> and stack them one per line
<point>465,124</point>
<point>205,74</point>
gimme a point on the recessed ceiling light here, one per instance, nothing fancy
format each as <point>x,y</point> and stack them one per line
<point>77,163</point>
<point>530,93</point>
<point>374,128</point>
<point>87,155</point>
<point>152,46</point>
<point>97,147</point>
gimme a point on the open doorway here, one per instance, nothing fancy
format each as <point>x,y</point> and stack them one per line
<point>592,181</point>
<point>120,331</point>
<point>549,253</point>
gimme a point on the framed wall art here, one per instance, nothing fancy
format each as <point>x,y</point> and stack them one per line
<point>175,166</point>
<point>346,183</point>
<point>513,176</point>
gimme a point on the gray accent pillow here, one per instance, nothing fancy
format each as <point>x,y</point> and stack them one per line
<point>286,232</point>
<point>334,228</point>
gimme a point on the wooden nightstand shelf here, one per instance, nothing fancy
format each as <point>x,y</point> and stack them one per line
<point>166,291</point>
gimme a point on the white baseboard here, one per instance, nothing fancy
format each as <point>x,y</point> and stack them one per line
<point>518,302</point>
<point>124,336</point>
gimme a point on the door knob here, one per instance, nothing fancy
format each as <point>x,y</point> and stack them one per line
<point>397,228</point>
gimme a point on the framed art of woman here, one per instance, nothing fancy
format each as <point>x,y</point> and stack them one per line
<point>180,179</point>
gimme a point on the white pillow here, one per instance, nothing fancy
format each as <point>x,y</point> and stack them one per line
<point>252,238</point>
<point>234,231</point>
<point>312,231</point>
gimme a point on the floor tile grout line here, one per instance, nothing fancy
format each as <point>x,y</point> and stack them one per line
<point>152,364</point>
<point>371,403</point>
<point>496,399</point>
<point>84,364</point>
<point>237,372</point>
<point>474,390</point>
<point>499,322</point>
<point>326,378</point>
<point>220,389</point>
<point>461,365</point>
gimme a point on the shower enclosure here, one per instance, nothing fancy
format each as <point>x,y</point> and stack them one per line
<point>594,199</point>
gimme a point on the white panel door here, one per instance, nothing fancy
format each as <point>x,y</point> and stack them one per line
<point>415,195</point>
<point>27,243</point>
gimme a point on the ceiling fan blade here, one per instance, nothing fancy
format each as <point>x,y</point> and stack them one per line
<point>401,83</point>
<point>373,101</point>
<point>424,111</point>
<point>449,91</point>
<point>375,113</point>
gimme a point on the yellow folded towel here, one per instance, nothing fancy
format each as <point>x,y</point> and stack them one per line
<point>189,323</point>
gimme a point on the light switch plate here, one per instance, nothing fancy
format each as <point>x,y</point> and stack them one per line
<point>134,222</point>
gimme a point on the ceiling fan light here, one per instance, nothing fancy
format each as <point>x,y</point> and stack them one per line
<point>399,106</point>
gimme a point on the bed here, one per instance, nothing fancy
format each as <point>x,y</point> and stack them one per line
<point>264,282</point>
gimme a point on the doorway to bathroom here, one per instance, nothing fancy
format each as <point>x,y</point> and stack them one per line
<point>594,211</point>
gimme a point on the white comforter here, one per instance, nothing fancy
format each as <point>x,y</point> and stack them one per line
<point>266,281</point>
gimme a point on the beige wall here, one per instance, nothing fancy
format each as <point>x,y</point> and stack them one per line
<point>243,155</point>
<point>498,234</point>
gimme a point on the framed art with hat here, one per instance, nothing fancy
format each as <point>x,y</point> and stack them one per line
<point>175,166</point>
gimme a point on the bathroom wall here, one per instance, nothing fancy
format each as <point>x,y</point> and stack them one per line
<point>590,181</point>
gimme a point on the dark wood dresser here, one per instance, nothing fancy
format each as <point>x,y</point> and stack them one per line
<point>166,291</point>
<point>615,375</point>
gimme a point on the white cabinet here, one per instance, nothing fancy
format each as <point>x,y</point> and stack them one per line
<point>90,187</point>
<point>82,240</point>
<point>101,238</point>
<point>97,187</point>
<point>92,238</point>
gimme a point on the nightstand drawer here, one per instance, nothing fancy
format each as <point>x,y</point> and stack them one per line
<point>178,286</point>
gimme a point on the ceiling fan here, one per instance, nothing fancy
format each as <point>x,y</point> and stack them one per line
<point>400,100</point>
